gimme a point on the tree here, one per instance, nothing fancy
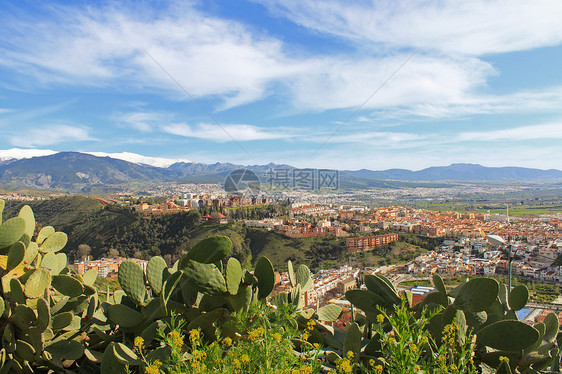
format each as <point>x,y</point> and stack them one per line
<point>112,253</point>
<point>83,251</point>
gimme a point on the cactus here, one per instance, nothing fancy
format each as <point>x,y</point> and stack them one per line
<point>266,277</point>
<point>55,262</point>
<point>329,313</point>
<point>507,335</point>
<point>291,274</point>
<point>67,285</point>
<point>54,242</point>
<point>551,327</point>
<point>132,280</point>
<point>15,255</point>
<point>352,342</point>
<point>27,214</point>
<point>155,273</point>
<point>518,297</point>
<point>44,234</point>
<point>38,283</point>
<point>233,275</point>
<point>377,285</point>
<point>477,294</point>
<point>124,316</point>
<point>210,250</point>
<point>11,231</point>
<point>207,278</point>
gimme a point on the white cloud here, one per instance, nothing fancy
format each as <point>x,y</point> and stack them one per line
<point>225,133</point>
<point>50,135</point>
<point>206,55</point>
<point>143,121</point>
<point>468,27</point>
<point>523,133</point>
<point>346,83</point>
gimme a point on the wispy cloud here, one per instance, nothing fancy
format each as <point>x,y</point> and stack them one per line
<point>50,135</point>
<point>225,133</point>
<point>475,28</point>
<point>143,121</point>
<point>523,133</point>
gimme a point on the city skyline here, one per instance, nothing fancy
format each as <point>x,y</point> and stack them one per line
<point>372,85</point>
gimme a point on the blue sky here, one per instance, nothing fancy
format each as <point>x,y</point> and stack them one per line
<point>331,84</point>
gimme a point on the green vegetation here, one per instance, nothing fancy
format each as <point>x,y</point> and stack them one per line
<point>206,313</point>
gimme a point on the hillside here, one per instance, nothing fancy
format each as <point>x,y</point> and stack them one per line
<point>86,221</point>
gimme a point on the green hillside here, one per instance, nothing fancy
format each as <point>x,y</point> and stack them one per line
<point>117,229</point>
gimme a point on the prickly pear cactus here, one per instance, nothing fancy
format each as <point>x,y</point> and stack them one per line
<point>43,313</point>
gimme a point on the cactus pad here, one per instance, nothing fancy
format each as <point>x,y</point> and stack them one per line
<point>54,243</point>
<point>132,280</point>
<point>266,277</point>
<point>507,335</point>
<point>15,255</point>
<point>233,275</point>
<point>27,214</point>
<point>67,285</point>
<point>477,294</point>
<point>210,250</point>
<point>352,342</point>
<point>11,231</point>
<point>206,277</point>
<point>44,234</point>
<point>518,297</point>
<point>37,283</point>
<point>552,327</point>
<point>379,286</point>
<point>124,316</point>
<point>155,273</point>
<point>329,313</point>
<point>89,276</point>
<point>54,262</point>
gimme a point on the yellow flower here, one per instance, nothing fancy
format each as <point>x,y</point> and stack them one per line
<point>391,340</point>
<point>380,318</point>
<point>311,323</point>
<point>227,342</point>
<point>236,363</point>
<point>504,359</point>
<point>256,333</point>
<point>303,370</point>
<point>277,336</point>
<point>350,355</point>
<point>153,368</point>
<point>453,367</point>
<point>372,362</point>
<point>305,336</point>
<point>417,367</point>
<point>424,340</point>
<point>413,347</point>
<point>378,369</point>
<point>345,366</point>
<point>139,343</point>
<point>175,339</point>
<point>244,358</point>
<point>194,336</point>
<point>198,355</point>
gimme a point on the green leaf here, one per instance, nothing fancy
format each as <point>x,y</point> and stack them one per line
<point>518,297</point>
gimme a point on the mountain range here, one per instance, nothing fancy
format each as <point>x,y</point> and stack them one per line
<point>82,171</point>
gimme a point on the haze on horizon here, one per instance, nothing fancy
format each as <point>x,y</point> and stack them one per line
<point>347,85</point>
